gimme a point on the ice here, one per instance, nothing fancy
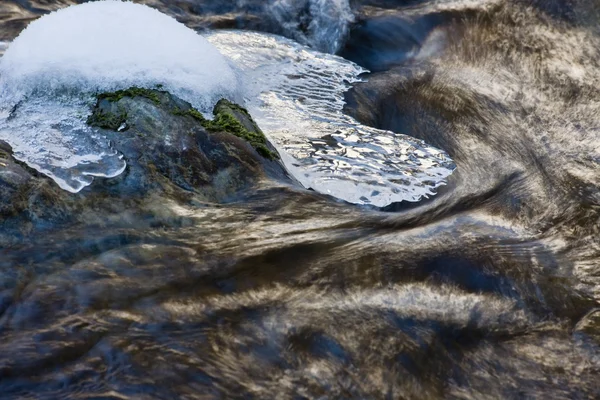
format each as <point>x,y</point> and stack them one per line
<point>52,137</point>
<point>108,45</point>
<point>296,95</point>
<point>50,73</point>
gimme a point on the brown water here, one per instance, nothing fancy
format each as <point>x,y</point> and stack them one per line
<point>490,289</point>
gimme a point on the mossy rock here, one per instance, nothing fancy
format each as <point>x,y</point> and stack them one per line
<point>229,117</point>
<point>167,143</point>
<point>232,118</point>
<point>107,119</point>
<point>109,115</point>
<point>132,92</point>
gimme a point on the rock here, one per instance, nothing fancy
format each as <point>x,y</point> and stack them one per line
<point>167,142</point>
<point>172,152</point>
<point>27,198</point>
<point>12,174</point>
<point>230,117</point>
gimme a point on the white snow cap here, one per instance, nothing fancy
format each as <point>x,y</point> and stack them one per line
<point>109,45</point>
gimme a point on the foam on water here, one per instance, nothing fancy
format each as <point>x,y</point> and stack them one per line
<point>297,96</point>
<point>49,74</point>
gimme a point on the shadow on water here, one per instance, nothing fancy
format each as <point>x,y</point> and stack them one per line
<point>486,290</point>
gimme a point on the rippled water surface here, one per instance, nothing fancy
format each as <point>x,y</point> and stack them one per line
<point>489,289</point>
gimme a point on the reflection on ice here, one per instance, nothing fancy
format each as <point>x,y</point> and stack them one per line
<point>296,96</point>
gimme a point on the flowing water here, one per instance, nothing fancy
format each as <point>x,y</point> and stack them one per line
<point>489,289</point>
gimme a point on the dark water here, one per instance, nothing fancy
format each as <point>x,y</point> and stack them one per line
<point>488,290</point>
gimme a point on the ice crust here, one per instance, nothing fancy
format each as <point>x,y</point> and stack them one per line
<point>108,45</point>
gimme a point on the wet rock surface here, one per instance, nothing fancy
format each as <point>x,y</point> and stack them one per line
<point>168,143</point>
<point>170,154</point>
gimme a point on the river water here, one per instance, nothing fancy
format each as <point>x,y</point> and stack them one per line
<point>489,289</point>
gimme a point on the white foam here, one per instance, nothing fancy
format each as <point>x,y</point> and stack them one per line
<point>296,95</point>
<point>108,45</point>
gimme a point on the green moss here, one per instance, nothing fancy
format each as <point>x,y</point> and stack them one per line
<point>107,120</point>
<point>226,121</point>
<point>113,120</point>
<point>197,115</point>
<point>192,112</point>
<point>131,92</point>
<point>223,104</point>
<point>229,117</point>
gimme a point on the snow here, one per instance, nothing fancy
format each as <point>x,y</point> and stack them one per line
<point>109,45</point>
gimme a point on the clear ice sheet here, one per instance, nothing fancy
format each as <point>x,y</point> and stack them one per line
<point>296,96</point>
